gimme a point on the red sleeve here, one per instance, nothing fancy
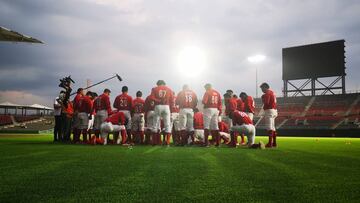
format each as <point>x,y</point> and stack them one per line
<point>219,104</point>
<point>116,101</point>
<point>153,95</point>
<point>130,100</point>
<point>195,100</point>
<point>251,104</point>
<point>178,98</point>
<point>205,98</point>
<point>107,104</point>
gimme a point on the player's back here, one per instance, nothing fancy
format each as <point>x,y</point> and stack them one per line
<point>162,95</point>
<point>149,103</point>
<point>269,100</point>
<point>85,104</point>
<point>123,102</point>
<point>240,105</point>
<point>138,105</point>
<point>231,105</point>
<point>240,118</point>
<point>187,99</point>
<point>223,127</point>
<point>117,118</point>
<point>249,105</point>
<point>212,99</point>
<point>198,121</point>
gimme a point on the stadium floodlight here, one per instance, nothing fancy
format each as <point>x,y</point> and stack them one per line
<point>256,59</point>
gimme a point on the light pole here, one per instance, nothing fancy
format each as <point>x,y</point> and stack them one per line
<point>256,59</point>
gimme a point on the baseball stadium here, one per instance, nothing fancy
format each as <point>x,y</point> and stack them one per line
<point>135,135</point>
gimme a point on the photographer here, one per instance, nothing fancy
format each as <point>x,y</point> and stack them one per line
<point>58,120</point>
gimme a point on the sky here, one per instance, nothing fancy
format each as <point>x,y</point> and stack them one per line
<point>141,41</point>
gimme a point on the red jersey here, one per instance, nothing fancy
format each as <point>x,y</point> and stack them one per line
<point>269,100</point>
<point>149,104</point>
<point>212,99</point>
<point>198,121</point>
<point>69,110</point>
<point>102,102</point>
<point>138,105</point>
<point>123,102</point>
<point>85,105</point>
<point>240,118</point>
<point>174,108</point>
<point>231,105</point>
<point>240,105</point>
<point>162,95</point>
<point>187,99</point>
<point>223,127</point>
<point>249,105</point>
<point>117,118</point>
<point>76,102</point>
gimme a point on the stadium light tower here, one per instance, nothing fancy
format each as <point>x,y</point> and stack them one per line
<point>256,59</point>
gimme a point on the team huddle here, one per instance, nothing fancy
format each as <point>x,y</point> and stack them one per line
<point>164,116</point>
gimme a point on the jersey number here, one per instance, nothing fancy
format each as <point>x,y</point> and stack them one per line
<point>123,102</point>
<point>188,98</point>
<point>162,93</point>
<point>214,99</point>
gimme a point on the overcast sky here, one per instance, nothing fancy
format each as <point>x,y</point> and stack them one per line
<point>140,40</point>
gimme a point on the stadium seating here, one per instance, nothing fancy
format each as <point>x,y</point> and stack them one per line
<point>319,112</point>
<point>5,120</point>
<point>21,119</point>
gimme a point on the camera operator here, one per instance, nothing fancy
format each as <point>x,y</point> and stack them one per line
<point>58,119</point>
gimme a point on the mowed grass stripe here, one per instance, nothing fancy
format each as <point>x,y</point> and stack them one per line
<point>301,169</point>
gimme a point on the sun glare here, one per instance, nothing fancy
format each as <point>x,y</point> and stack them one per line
<point>191,61</point>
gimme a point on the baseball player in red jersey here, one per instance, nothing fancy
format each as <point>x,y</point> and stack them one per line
<point>114,124</point>
<point>240,107</point>
<point>224,132</point>
<point>76,105</point>
<point>249,104</point>
<point>138,121</point>
<point>270,113</point>
<point>163,97</point>
<point>150,120</point>
<point>123,103</point>
<point>198,137</point>
<point>212,110</point>
<point>84,111</point>
<point>175,123</point>
<point>230,106</point>
<point>187,101</point>
<point>102,109</point>
<point>240,103</point>
<point>244,125</point>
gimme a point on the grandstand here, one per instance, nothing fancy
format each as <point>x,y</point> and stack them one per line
<point>16,118</point>
<point>327,115</point>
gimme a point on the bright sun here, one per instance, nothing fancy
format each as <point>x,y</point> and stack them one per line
<point>191,61</point>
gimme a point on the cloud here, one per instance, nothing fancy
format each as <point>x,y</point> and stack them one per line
<point>93,39</point>
<point>23,98</point>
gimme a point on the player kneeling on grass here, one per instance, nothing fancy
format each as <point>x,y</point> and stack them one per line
<point>244,125</point>
<point>114,124</point>
<point>197,137</point>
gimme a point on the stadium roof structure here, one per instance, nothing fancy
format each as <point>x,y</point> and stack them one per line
<point>33,106</point>
<point>13,36</point>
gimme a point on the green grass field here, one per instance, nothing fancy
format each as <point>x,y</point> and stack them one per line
<point>33,169</point>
